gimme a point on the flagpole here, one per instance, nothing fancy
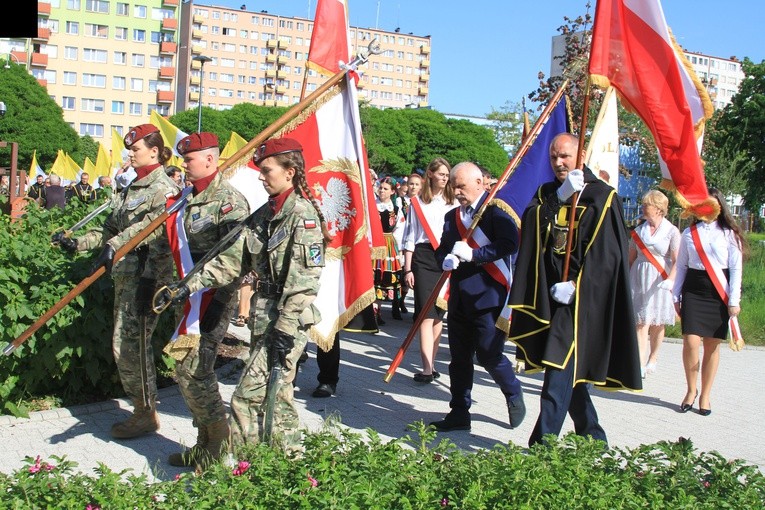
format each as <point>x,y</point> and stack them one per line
<point>575,196</point>
<point>525,144</point>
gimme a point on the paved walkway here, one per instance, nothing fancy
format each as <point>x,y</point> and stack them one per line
<point>364,400</point>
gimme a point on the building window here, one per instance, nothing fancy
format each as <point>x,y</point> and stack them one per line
<point>136,84</point>
<point>97,6</point>
<point>94,80</point>
<point>119,82</point>
<point>138,59</point>
<point>70,53</point>
<point>92,105</point>
<point>120,57</point>
<point>139,35</point>
<point>123,9</point>
<point>72,28</point>
<point>94,130</point>
<point>120,33</point>
<point>92,55</point>
<point>139,11</point>
<point>118,107</point>
<point>136,109</point>
<point>67,103</point>
<point>70,78</point>
<point>100,31</point>
<point>73,5</point>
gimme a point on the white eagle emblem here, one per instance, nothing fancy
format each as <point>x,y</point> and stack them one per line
<point>335,202</point>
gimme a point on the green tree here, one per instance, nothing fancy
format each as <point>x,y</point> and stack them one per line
<point>737,140</point>
<point>87,148</point>
<point>507,123</point>
<point>33,120</point>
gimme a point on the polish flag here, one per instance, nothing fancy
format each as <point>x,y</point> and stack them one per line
<point>633,51</point>
<point>330,41</point>
<point>338,175</point>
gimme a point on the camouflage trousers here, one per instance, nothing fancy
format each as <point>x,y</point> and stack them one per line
<point>196,373</point>
<point>247,402</point>
<point>138,376</point>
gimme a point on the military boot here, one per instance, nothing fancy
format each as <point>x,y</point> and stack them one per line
<point>188,458</point>
<point>143,421</point>
<point>218,435</point>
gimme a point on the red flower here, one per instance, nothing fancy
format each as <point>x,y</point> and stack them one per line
<point>241,468</point>
<point>314,481</point>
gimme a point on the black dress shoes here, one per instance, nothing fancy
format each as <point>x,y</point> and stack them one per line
<point>517,411</point>
<point>704,412</point>
<point>452,422</point>
<point>684,408</point>
<point>324,390</point>
<point>423,378</point>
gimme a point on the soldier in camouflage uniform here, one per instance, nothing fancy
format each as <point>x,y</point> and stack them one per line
<point>137,275</point>
<point>284,245</point>
<point>215,208</point>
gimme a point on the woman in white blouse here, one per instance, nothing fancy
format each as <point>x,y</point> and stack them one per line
<point>707,292</point>
<point>422,233</point>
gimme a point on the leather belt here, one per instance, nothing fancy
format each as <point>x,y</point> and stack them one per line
<point>267,288</point>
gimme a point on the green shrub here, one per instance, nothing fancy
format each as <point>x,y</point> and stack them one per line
<point>339,469</point>
<point>70,356</point>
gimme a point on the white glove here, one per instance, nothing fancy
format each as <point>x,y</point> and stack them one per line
<point>574,182</point>
<point>563,292</point>
<point>463,251</point>
<point>666,284</point>
<point>451,263</point>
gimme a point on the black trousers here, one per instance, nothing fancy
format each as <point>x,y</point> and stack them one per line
<point>558,398</point>
<point>329,363</point>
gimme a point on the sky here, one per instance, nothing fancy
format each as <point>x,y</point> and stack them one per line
<point>486,53</point>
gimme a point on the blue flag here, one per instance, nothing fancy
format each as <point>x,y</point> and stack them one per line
<point>534,169</point>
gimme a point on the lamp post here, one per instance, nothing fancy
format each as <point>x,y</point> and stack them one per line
<point>201,59</point>
<point>8,62</point>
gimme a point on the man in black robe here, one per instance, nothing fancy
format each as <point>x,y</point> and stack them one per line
<point>579,329</point>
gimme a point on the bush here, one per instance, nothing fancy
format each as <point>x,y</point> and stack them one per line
<point>341,470</point>
<point>70,356</point>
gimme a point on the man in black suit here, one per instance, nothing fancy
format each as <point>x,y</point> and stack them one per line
<point>82,190</point>
<point>480,280</point>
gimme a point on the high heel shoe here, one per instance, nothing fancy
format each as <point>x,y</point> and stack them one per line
<point>704,412</point>
<point>684,408</point>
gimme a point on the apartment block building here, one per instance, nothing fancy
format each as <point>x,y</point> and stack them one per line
<point>109,63</point>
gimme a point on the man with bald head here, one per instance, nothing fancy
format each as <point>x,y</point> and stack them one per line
<point>480,280</point>
<point>578,327</point>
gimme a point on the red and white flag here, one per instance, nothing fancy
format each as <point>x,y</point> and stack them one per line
<point>633,51</point>
<point>337,173</point>
<point>330,40</point>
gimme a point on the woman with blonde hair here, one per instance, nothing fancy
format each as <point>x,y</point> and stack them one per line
<point>652,257</point>
<point>707,294</point>
<point>422,234</point>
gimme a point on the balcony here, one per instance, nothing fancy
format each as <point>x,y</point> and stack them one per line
<point>276,44</point>
<point>272,58</point>
<point>165,96</point>
<point>196,49</point>
<point>42,82</point>
<point>197,34</point>
<point>169,24</point>
<point>198,19</point>
<point>43,34</point>
<point>424,76</point>
<point>167,72</point>
<point>170,3</point>
<point>39,60</point>
<point>194,80</point>
<point>19,56</point>
<point>425,62</point>
<point>43,8</point>
<point>422,91</point>
<point>272,73</point>
<point>424,50</point>
<point>168,47</point>
<point>194,96</point>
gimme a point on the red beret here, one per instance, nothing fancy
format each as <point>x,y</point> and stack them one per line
<point>275,146</point>
<point>138,133</point>
<point>196,142</point>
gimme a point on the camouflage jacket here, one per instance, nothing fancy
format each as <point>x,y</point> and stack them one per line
<point>209,216</point>
<point>286,249</point>
<point>132,210</point>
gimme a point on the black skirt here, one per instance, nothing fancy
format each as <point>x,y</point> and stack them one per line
<point>703,313</point>
<point>426,274</point>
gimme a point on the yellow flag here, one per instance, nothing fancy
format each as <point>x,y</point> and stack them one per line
<point>603,150</point>
<point>34,168</point>
<point>89,167</point>
<point>61,166</point>
<point>102,163</point>
<point>235,142</point>
<point>170,134</point>
<point>74,168</point>
<point>119,152</point>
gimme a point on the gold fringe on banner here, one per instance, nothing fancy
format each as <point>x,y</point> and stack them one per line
<point>326,343</point>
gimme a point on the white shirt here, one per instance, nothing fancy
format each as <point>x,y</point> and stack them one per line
<point>434,212</point>
<point>722,249</point>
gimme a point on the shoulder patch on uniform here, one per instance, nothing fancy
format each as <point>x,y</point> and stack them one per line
<point>311,223</point>
<point>226,208</point>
